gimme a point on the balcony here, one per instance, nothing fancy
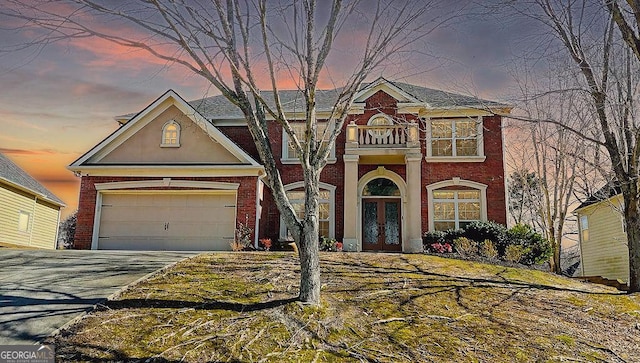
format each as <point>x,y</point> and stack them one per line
<point>397,136</point>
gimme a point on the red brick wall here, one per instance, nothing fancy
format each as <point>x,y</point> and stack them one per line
<point>489,172</point>
<point>246,204</point>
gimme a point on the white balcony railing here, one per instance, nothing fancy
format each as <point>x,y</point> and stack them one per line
<point>390,136</point>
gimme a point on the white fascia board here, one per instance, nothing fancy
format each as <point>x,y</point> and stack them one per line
<point>388,87</point>
<point>31,191</point>
<point>169,98</point>
<point>169,171</point>
<point>108,144</point>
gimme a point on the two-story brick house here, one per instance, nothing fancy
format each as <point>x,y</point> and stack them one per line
<point>181,175</point>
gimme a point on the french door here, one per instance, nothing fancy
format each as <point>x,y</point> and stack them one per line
<point>381,228</point>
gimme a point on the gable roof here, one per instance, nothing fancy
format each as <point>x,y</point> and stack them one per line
<point>118,136</point>
<point>609,190</point>
<point>12,174</point>
<point>219,108</point>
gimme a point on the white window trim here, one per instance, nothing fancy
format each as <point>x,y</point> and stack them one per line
<point>457,182</point>
<point>20,216</point>
<point>164,128</point>
<point>332,207</point>
<point>285,159</point>
<point>456,159</point>
<point>581,225</point>
<point>377,116</point>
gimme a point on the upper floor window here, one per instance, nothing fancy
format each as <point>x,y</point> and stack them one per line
<point>171,134</point>
<point>455,138</point>
<point>289,154</point>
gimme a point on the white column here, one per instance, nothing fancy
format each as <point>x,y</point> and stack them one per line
<point>350,239</point>
<point>413,212</point>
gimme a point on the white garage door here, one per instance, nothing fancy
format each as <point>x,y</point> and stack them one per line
<point>167,221</point>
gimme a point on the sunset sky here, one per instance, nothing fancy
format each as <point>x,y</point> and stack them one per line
<point>58,101</point>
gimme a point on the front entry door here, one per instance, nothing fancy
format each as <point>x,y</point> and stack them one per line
<point>381,224</point>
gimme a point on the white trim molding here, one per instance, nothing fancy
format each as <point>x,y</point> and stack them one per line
<point>382,172</point>
<point>165,137</point>
<point>332,207</point>
<point>456,181</point>
<point>168,183</point>
<point>480,157</point>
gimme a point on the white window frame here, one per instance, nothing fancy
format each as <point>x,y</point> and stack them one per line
<point>285,159</point>
<point>584,227</point>
<point>332,208</point>
<point>480,157</point>
<point>456,182</point>
<point>21,221</point>
<point>163,141</point>
<point>375,134</point>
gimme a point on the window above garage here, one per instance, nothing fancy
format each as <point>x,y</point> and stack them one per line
<point>171,134</point>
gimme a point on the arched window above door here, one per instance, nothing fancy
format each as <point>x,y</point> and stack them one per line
<point>381,187</point>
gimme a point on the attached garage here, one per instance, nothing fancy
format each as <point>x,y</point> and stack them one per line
<point>183,220</point>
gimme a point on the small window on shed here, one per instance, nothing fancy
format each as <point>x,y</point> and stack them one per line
<point>584,228</point>
<point>23,221</point>
<point>171,134</point>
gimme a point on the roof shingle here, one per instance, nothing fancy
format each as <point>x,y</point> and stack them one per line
<point>12,173</point>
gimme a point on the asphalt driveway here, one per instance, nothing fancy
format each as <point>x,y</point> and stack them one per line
<point>42,290</point>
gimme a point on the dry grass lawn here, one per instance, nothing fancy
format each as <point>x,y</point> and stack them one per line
<point>238,307</point>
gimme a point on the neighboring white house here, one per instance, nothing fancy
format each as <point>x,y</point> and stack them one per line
<point>29,213</point>
<point>603,238</point>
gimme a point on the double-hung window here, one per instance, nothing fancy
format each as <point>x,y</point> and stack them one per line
<point>295,194</point>
<point>289,153</point>
<point>455,209</point>
<point>455,138</point>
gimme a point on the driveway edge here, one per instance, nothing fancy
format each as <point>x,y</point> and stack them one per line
<point>111,297</point>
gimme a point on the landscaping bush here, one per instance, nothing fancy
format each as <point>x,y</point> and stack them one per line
<point>495,232</point>
<point>432,237</point>
<point>466,247</point>
<point>538,249</point>
<point>488,249</point>
<point>438,247</point>
<point>514,253</point>
<point>520,244</point>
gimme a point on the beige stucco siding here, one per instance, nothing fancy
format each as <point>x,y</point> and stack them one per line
<point>605,252</point>
<point>195,145</point>
<point>43,220</point>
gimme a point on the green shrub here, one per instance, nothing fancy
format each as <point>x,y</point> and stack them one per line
<point>488,249</point>
<point>465,247</point>
<point>514,253</point>
<point>495,232</point>
<point>538,249</point>
<point>432,237</point>
<point>326,244</point>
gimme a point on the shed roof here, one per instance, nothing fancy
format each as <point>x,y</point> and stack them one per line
<point>13,174</point>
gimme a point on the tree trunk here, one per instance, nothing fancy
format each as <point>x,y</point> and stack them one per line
<point>632,220</point>
<point>308,240</point>
<point>309,264</point>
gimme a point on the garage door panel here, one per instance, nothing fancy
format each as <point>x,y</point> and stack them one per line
<point>171,221</point>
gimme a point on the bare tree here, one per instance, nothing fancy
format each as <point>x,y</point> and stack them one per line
<point>235,45</point>
<point>605,77</point>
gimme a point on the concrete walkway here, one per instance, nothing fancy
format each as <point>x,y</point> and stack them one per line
<point>42,290</point>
